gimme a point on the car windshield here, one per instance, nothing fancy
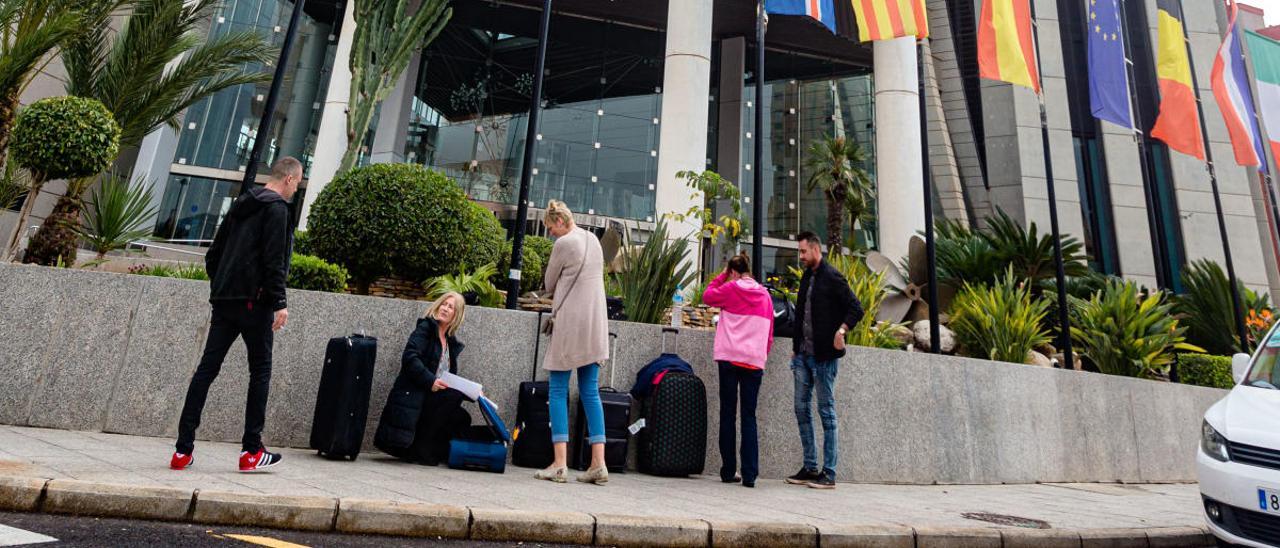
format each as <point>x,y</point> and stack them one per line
<point>1265,373</point>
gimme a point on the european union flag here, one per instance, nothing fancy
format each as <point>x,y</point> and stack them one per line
<point>1108,77</point>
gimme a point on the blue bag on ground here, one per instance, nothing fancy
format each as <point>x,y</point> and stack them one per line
<point>484,447</point>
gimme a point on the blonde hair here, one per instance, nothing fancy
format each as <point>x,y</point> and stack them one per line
<point>558,212</point>
<point>459,311</point>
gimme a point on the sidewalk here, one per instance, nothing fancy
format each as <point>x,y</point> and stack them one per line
<point>1074,508</point>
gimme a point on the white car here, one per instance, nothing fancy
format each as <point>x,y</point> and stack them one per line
<point>1239,458</point>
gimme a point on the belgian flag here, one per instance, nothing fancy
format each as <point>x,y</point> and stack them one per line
<point>1178,123</point>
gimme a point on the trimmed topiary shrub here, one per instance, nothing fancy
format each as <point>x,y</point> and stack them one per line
<point>400,219</point>
<point>65,138</point>
<point>1205,370</point>
<point>315,274</point>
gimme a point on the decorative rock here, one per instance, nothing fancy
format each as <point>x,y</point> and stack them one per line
<point>903,334</point>
<point>1036,358</point>
<point>946,337</point>
<point>1046,349</point>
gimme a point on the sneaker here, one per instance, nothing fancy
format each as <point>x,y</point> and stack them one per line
<point>804,476</point>
<point>825,481</point>
<point>181,461</point>
<point>252,462</point>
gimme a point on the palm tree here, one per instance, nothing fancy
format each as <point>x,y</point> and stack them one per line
<point>31,32</point>
<point>837,167</point>
<point>147,74</point>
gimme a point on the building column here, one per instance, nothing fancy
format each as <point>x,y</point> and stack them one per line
<point>899,164</point>
<point>331,142</point>
<point>686,85</point>
<point>393,117</point>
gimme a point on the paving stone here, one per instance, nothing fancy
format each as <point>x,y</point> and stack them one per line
<point>1040,538</point>
<point>957,537</point>
<point>1177,537</point>
<point>617,530</point>
<point>21,494</point>
<point>866,536</point>
<point>1113,538</point>
<point>739,533</point>
<point>402,518</point>
<point>116,500</point>
<point>520,525</point>
<point>284,512</point>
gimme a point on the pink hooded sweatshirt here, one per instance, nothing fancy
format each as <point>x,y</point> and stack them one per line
<point>745,332</point>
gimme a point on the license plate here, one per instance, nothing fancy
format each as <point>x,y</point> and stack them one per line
<point>1269,500</point>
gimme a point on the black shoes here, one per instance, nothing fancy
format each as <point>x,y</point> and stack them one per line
<point>804,476</point>
<point>734,479</point>
<point>825,481</point>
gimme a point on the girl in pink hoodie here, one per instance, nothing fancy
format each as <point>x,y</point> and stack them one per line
<point>744,336</point>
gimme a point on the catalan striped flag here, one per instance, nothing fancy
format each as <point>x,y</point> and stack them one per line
<point>1178,123</point>
<point>1230,85</point>
<point>823,11</point>
<point>1265,54</point>
<point>1006,45</point>
<point>889,19</point>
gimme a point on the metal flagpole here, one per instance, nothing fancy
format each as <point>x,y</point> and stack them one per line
<point>273,96</point>
<point>757,206</point>
<point>1140,139</point>
<point>935,336</point>
<point>1217,198</point>
<point>1064,320</point>
<point>526,168</point>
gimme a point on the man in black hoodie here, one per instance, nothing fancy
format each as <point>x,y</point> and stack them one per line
<point>827,310</point>
<point>247,265</point>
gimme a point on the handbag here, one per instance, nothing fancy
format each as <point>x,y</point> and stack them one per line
<point>549,323</point>
<point>784,314</point>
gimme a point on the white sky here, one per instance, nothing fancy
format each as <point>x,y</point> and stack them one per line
<point>1271,7</point>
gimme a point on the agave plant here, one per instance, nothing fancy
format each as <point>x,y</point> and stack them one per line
<point>1124,333</point>
<point>475,283</point>
<point>118,213</point>
<point>1206,307</point>
<point>652,275</point>
<point>1001,322</point>
<point>870,288</point>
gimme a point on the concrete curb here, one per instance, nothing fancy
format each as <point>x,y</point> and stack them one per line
<point>355,515</point>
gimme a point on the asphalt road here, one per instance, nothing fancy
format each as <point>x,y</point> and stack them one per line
<point>70,531</point>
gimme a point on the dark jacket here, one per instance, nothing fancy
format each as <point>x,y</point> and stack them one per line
<point>249,258</point>
<point>418,368</point>
<point>833,304</point>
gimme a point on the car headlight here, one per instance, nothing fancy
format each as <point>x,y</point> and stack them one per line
<point>1212,443</point>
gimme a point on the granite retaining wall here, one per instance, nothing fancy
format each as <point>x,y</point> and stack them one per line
<point>113,352</point>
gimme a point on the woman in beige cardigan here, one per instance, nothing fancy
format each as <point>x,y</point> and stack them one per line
<point>579,341</point>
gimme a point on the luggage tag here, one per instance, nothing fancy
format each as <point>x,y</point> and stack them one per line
<point>636,427</point>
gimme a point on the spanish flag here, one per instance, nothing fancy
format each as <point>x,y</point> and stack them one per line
<point>1006,45</point>
<point>1178,123</point>
<point>889,19</point>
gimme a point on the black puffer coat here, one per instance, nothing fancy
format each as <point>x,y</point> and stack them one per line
<point>418,368</point>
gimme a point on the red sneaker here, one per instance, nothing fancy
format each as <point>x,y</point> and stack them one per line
<point>181,461</point>
<point>252,462</point>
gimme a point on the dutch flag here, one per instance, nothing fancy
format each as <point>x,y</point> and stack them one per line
<point>1230,85</point>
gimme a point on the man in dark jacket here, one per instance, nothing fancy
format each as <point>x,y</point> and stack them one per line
<point>827,308</point>
<point>247,265</point>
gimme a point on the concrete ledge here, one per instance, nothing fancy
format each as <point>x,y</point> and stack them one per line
<point>617,530</point>
<point>518,525</point>
<point>402,518</point>
<point>1113,538</point>
<point>1036,538</point>
<point>866,536</point>
<point>119,501</point>
<point>306,513</point>
<point>738,533</point>
<point>1173,537</point>
<point>957,537</point>
<point>21,494</point>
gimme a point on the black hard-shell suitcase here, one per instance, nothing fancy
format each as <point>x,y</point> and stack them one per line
<point>617,417</point>
<point>673,440</point>
<point>342,402</point>
<point>531,441</point>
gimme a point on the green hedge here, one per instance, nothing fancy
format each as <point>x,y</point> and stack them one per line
<point>1205,370</point>
<point>315,274</point>
<point>537,253</point>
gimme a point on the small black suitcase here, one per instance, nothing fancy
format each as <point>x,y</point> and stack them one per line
<point>342,402</point>
<point>531,440</point>
<point>617,417</point>
<point>673,440</point>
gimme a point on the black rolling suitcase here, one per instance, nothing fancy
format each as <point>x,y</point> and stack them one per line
<point>342,403</point>
<point>531,440</point>
<point>673,440</point>
<point>617,417</point>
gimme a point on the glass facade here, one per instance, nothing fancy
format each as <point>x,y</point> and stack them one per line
<point>598,140</point>
<point>219,131</point>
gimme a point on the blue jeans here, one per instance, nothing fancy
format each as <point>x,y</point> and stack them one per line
<point>809,374</point>
<point>733,378</point>
<point>589,391</point>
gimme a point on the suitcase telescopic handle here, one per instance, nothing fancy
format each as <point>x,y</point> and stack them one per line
<point>613,356</point>
<point>537,346</point>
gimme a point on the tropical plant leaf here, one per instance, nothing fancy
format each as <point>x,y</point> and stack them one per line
<point>1003,321</point>
<point>1124,333</point>
<point>651,276</point>
<point>118,213</point>
<point>474,282</point>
